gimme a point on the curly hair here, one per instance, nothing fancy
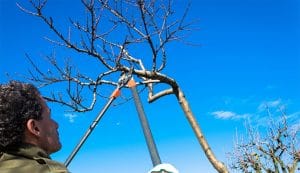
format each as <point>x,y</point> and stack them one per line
<point>19,102</point>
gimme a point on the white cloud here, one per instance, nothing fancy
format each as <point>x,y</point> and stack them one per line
<point>229,115</point>
<point>71,117</point>
<point>294,120</point>
<point>269,104</point>
<point>223,114</point>
<point>295,115</point>
<point>295,127</point>
<point>270,87</point>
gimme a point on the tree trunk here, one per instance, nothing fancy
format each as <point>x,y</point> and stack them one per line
<point>219,166</point>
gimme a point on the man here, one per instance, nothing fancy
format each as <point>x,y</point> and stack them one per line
<point>28,135</point>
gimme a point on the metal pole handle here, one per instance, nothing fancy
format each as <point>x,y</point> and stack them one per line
<point>91,128</point>
<point>145,125</point>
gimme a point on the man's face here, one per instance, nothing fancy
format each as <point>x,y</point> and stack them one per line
<point>49,138</point>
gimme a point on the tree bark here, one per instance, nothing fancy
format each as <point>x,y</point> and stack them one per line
<point>219,166</point>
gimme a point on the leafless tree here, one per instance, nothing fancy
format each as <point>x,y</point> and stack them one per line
<point>126,37</point>
<point>277,152</point>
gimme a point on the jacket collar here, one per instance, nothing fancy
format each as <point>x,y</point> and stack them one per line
<point>29,151</point>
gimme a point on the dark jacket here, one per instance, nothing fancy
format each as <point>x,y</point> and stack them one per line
<point>29,159</point>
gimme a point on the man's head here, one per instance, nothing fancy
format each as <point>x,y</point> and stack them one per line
<point>25,118</point>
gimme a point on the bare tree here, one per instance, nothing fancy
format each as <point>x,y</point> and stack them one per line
<point>115,32</point>
<point>277,152</point>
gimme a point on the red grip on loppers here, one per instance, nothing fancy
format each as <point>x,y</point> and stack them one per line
<point>116,93</point>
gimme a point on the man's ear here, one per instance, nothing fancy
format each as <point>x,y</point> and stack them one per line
<point>33,127</point>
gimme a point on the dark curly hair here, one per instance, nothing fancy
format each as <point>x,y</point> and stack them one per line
<point>19,102</point>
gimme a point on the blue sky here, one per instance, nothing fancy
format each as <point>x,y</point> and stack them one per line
<point>249,57</point>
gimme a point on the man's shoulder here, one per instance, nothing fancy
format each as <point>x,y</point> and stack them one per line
<point>10,163</point>
<point>55,167</point>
